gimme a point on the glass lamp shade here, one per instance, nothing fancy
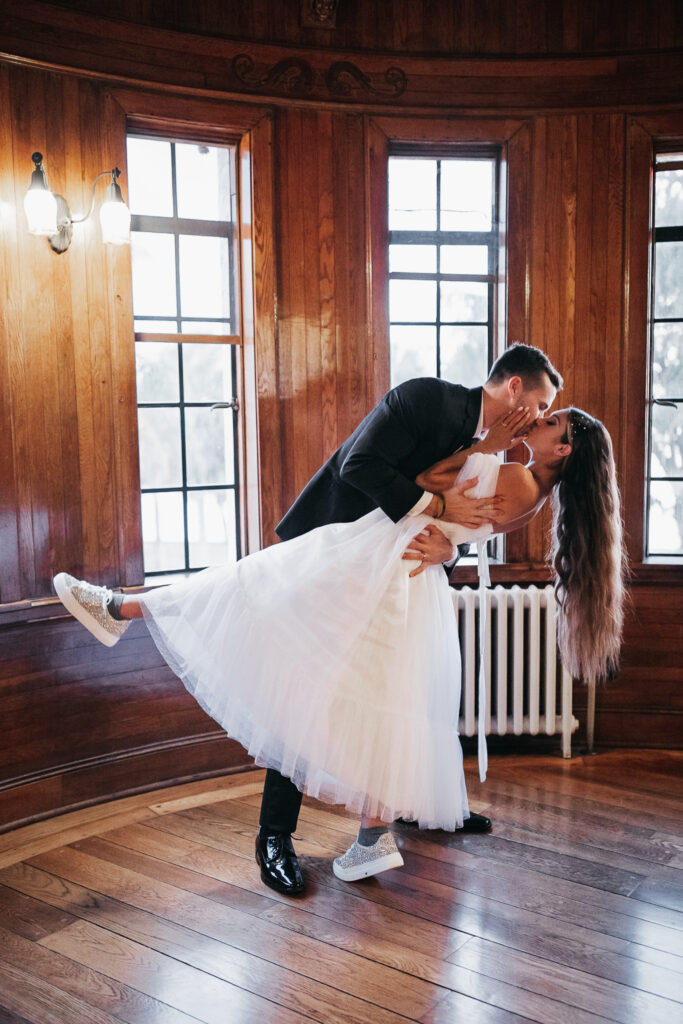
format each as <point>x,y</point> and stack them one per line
<point>115,222</point>
<point>40,207</point>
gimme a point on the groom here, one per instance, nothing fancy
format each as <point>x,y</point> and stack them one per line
<point>415,425</point>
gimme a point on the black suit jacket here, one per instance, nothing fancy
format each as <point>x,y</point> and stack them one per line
<point>415,425</point>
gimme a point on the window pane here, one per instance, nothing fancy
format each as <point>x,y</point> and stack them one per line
<point>667,441</point>
<point>150,189</point>
<point>203,182</point>
<point>153,260</point>
<point>412,195</point>
<point>412,353</point>
<point>209,442</point>
<point>464,355</point>
<point>419,259</point>
<point>211,527</point>
<point>204,276</point>
<point>667,361</point>
<point>412,300</point>
<point>463,301</point>
<point>163,531</point>
<point>464,259</point>
<point>466,195</point>
<point>666,518</point>
<point>207,373</point>
<point>155,326</point>
<point>160,459</point>
<point>156,372</point>
<point>669,279</point>
<point>205,327</point>
<point>668,199</point>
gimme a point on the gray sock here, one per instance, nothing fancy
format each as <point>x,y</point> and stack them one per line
<point>114,606</point>
<point>369,836</point>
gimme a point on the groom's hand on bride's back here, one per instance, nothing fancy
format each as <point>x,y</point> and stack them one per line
<point>471,513</point>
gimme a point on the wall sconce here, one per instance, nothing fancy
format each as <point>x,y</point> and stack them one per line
<point>49,214</point>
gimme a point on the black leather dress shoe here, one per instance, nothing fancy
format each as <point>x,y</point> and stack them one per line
<point>279,867</point>
<point>476,823</point>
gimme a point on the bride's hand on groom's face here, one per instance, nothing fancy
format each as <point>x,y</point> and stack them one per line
<point>507,431</point>
<point>431,547</point>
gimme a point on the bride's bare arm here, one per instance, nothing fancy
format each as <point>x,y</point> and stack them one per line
<point>520,497</point>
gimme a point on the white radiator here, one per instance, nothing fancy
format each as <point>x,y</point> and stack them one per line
<point>528,688</point>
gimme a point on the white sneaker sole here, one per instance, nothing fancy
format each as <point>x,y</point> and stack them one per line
<point>79,612</point>
<point>372,867</point>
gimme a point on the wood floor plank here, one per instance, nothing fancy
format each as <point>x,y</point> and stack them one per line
<point>8,1017</point>
<point>204,995</point>
<point>222,834</point>
<point>355,976</point>
<point>551,896</point>
<point>604,964</point>
<point>151,910</point>
<point>227,878</point>
<point>40,1002</point>
<point>66,975</point>
<point>30,918</point>
<point>152,933</point>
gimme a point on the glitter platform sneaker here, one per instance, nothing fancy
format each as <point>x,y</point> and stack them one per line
<point>364,861</point>
<point>88,604</point>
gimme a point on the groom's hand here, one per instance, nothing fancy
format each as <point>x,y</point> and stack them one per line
<point>431,547</point>
<point>471,512</point>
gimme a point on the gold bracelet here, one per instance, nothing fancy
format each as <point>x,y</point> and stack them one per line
<point>442,505</point>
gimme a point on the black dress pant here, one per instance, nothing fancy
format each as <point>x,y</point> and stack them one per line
<point>280,804</point>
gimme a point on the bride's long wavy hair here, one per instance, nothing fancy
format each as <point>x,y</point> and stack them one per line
<point>587,551</point>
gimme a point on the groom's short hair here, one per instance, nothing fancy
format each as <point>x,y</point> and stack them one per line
<point>527,362</point>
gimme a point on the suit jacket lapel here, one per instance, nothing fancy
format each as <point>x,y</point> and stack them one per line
<point>460,421</point>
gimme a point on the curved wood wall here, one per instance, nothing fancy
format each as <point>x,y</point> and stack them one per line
<point>313,122</point>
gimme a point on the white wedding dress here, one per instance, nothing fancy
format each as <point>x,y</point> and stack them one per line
<point>327,662</point>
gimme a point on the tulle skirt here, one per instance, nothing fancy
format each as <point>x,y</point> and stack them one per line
<point>328,663</point>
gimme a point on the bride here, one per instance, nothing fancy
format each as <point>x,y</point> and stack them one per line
<point>335,660</point>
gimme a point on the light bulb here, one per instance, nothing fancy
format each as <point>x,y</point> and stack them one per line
<point>115,217</point>
<point>40,205</point>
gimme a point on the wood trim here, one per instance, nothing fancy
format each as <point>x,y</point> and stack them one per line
<point>204,339</point>
<point>57,39</point>
<point>70,788</point>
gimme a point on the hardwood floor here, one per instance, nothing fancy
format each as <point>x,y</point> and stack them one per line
<point>150,910</point>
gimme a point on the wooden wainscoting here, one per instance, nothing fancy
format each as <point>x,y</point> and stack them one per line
<point>83,723</point>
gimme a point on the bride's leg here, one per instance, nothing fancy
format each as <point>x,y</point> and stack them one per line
<point>373,851</point>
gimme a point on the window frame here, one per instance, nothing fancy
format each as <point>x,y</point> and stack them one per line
<point>525,549</point>
<point>178,226</point>
<point>661,234</point>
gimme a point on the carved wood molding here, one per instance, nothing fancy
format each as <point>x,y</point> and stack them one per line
<point>294,76</point>
<point>55,38</point>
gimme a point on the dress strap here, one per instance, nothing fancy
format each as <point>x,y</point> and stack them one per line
<point>484,584</point>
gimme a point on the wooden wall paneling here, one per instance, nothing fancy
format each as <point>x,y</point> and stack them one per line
<point>266,337</point>
<point>357,341</point>
<point>437,26</point>
<point>309,426</point>
<point>632,432</point>
<point>517,243</point>
<point>100,436</point>
<point>123,396</point>
<point>614,275</point>
<point>377,205</point>
<point>292,349</point>
<point>10,332</point>
<point>327,281</point>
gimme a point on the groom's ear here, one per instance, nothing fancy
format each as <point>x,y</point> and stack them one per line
<point>515,386</point>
